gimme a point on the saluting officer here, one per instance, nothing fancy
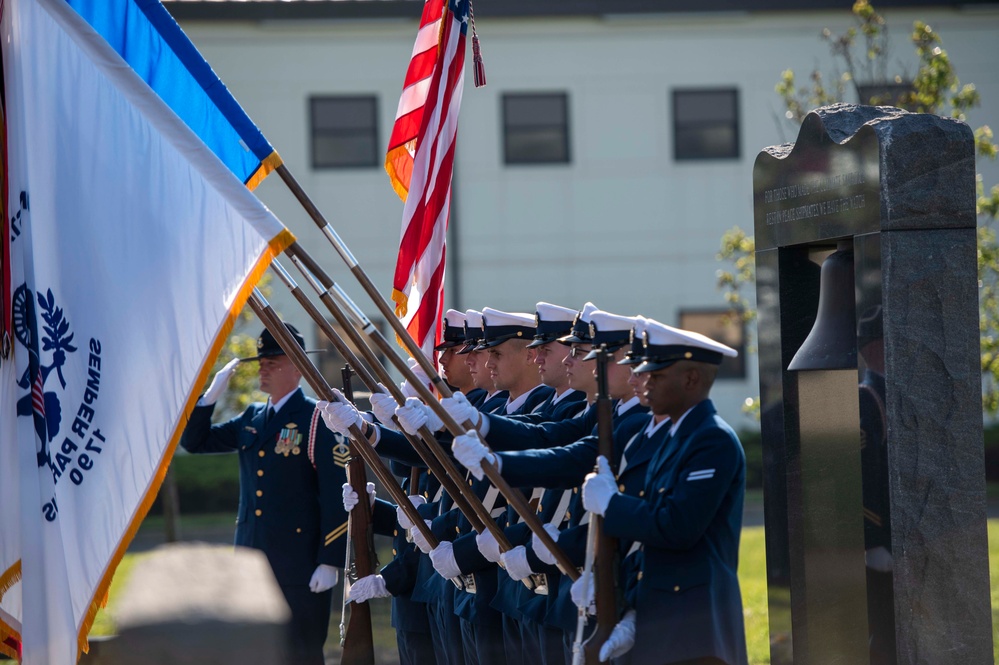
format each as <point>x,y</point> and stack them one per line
<point>688,607</point>
<point>291,471</point>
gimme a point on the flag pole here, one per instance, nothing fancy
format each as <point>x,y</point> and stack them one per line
<point>513,496</point>
<point>452,481</point>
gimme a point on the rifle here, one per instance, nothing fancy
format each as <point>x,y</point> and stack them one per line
<point>604,547</point>
<point>357,640</point>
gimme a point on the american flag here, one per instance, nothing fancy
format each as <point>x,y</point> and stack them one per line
<point>419,163</point>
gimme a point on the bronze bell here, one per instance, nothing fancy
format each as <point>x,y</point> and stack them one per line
<point>832,342</point>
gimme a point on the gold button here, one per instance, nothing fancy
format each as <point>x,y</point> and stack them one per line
<point>575,490</point>
<point>260,492</point>
<point>676,588</point>
<point>426,495</point>
<point>258,512</point>
<point>540,508</point>
<point>395,532</point>
<point>662,489</point>
<point>298,530</point>
<point>620,488</point>
<point>640,573</point>
<point>469,482</point>
<point>260,472</point>
<point>568,515</point>
<point>261,453</point>
<point>641,493</point>
<point>457,530</point>
<point>393,551</point>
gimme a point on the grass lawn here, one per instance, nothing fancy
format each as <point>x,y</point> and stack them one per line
<point>752,576</point>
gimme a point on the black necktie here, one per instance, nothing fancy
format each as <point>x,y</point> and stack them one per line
<point>268,415</point>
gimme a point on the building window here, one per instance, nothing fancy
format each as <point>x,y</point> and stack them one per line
<point>536,128</point>
<point>706,124</point>
<point>725,326</point>
<point>344,132</point>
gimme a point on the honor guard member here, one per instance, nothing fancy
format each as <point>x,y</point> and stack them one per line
<point>538,641</point>
<point>453,367</point>
<point>566,466</point>
<point>688,607</point>
<point>291,471</point>
<point>505,339</point>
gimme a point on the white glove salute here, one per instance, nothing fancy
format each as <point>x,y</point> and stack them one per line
<point>442,557</point>
<point>324,578</point>
<point>414,414</point>
<point>420,541</point>
<point>366,588</point>
<point>468,450</point>
<point>515,562</point>
<point>219,383</point>
<point>539,547</point>
<point>488,547</point>
<point>461,409</point>
<point>340,415</point>
<point>410,391</point>
<point>599,487</point>
<point>400,514</point>
<point>621,639</point>
<point>350,496</point>
<point>582,592</point>
<point>383,406</point>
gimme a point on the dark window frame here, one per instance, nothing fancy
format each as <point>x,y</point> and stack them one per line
<point>371,161</point>
<point>679,126</point>
<point>735,369</point>
<point>519,160</point>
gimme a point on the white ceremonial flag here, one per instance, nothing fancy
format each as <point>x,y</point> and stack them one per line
<point>134,251</point>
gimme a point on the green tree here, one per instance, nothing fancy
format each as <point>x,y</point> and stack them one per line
<point>862,58</point>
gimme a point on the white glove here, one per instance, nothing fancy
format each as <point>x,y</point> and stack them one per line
<point>350,496</point>
<point>539,547</point>
<point>468,450</point>
<point>410,391</point>
<point>599,487</point>
<point>515,562</point>
<point>420,541</point>
<point>488,546</point>
<point>414,414</point>
<point>324,578</point>
<point>576,592</point>
<point>461,409</point>
<point>383,406</point>
<point>400,514</point>
<point>879,559</point>
<point>340,415</point>
<point>219,383</point>
<point>366,588</point>
<point>621,639</point>
<point>442,557</point>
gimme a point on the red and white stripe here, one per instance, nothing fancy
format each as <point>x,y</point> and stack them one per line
<point>409,114</point>
<point>418,287</point>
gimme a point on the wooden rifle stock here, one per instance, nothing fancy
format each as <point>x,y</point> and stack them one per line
<point>606,547</point>
<point>359,641</point>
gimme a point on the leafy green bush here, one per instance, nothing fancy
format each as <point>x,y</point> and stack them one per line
<point>205,484</point>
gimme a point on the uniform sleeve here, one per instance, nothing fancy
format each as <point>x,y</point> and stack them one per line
<point>554,468</point>
<point>333,518</point>
<point>400,573</point>
<point>678,518</point>
<point>508,434</point>
<point>200,436</point>
<point>383,518</point>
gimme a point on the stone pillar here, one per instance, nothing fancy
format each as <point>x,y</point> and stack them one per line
<point>874,480</point>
